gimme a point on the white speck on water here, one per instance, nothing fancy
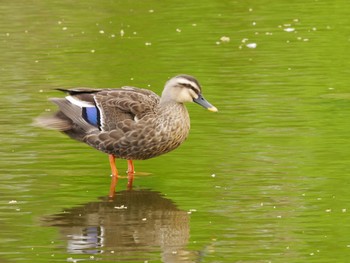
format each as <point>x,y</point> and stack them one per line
<point>178,30</point>
<point>344,210</point>
<point>314,29</point>
<point>47,110</point>
<point>144,219</point>
<point>121,207</point>
<point>101,31</point>
<point>261,204</point>
<point>174,252</point>
<point>252,45</point>
<point>151,11</point>
<point>328,210</point>
<point>64,28</point>
<point>193,210</point>
<point>244,40</point>
<point>92,257</point>
<point>225,39</point>
<point>18,209</point>
<point>121,32</point>
<point>194,24</point>
<point>134,33</point>
<point>59,22</point>
<point>189,212</point>
<point>305,39</point>
<point>213,175</point>
<point>311,254</point>
<point>112,36</point>
<point>218,42</point>
<point>254,23</point>
<point>112,251</point>
<point>279,216</point>
<point>268,34</point>
<point>148,43</point>
<point>250,9</point>
<point>92,50</point>
<point>289,29</point>
<point>7,34</point>
<point>296,20</point>
<point>13,202</point>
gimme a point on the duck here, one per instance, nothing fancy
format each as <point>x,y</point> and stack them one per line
<point>127,123</point>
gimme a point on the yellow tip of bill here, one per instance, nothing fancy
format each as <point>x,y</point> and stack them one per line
<point>213,109</point>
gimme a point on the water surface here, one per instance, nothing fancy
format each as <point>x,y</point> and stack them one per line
<point>263,180</point>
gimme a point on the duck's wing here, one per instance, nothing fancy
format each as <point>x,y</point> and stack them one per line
<point>122,108</point>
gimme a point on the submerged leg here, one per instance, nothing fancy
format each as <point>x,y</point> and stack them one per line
<point>131,172</point>
<point>114,175</point>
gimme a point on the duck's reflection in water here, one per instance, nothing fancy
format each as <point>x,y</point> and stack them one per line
<point>135,225</point>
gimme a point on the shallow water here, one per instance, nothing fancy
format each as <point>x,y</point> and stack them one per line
<point>265,179</point>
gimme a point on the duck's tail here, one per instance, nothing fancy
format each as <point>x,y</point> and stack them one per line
<point>69,119</point>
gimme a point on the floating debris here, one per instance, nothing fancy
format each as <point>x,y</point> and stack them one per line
<point>252,45</point>
<point>225,39</point>
<point>121,207</point>
<point>289,29</point>
<point>148,43</point>
<point>213,175</point>
<point>101,32</point>
<point>178,30</point>
<point>13,202</point>
<point>121,32</point>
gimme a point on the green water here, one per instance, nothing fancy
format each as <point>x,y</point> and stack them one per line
<point>266,179</point>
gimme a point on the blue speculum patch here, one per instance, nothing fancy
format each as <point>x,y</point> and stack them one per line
<point>92,115</point>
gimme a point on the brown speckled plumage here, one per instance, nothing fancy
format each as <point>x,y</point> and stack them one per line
<point>128,123</point>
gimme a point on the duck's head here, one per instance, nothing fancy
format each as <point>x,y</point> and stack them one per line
<point>185,88</point>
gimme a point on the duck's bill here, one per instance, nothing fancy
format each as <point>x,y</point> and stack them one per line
<point>204,103</point>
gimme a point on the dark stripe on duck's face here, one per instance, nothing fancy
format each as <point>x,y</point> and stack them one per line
<point>92,116</point>
<point>189,86</point>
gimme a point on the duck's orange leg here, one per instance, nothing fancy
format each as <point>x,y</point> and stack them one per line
<point>131,171</point>
<point>114,175</point>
